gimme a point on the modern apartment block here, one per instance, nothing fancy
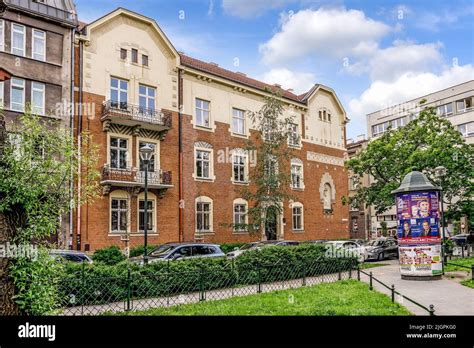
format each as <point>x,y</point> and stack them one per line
<point>455,103</point>
<point>136,89</point>
<point>36,40</point>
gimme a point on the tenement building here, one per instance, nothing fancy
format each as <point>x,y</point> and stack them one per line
<point>36,53</point>
<point>135,89</point>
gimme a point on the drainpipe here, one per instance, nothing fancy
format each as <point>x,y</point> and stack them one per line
<point>180,171</point>
<point>70,108</point>
<point>79,145</point>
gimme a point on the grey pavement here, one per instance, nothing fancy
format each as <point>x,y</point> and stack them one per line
<point>448,296</point>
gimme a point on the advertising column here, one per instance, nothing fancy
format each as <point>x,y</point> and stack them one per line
<point>418,233</point>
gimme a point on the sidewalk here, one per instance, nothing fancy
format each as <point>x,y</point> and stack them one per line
<point>447,296</point>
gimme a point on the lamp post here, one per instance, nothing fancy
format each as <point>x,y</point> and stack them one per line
<point>440,173</point>
<point>146,153</point>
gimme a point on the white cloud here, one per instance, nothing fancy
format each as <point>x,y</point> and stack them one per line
<point>334,33</point>
<point>250,8</point>
<point>382,94</point>
<point>300,82</point>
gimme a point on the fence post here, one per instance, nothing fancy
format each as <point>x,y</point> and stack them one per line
<point>358,272</point>
<point>339,272</point>
<point>472,272</point>
<point>370,283</point>
<point>393,293</point>
<point>201,285</point>
<point>462,251</point>
<point>129,288</point>
<point>351,264</point>
<point>432,310</point>
<point>259,273</point>
<point>83,287</point>
<point>304,265</point>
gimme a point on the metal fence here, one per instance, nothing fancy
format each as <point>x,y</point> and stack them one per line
<point>94,295</point>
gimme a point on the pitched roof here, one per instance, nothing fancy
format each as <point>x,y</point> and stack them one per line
<point>215,70</point>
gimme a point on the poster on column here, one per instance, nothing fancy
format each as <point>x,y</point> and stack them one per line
<point>418,233</point>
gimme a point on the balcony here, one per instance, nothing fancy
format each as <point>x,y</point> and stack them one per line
<point>44,10</point>
<point>133,178</point>
<point>133,115</point>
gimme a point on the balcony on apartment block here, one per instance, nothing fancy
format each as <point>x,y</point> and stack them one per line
<point>134,115</point>
<point>133,177</point>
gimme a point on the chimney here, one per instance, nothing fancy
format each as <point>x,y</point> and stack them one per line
<point>361,137</point>
<point>213,64</point>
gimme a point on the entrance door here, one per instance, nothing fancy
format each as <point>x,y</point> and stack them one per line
<point>271,223</point>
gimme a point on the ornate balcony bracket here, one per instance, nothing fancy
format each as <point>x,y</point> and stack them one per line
<point>106,126</point>
<point>162,193</point>
<point>106,189</point>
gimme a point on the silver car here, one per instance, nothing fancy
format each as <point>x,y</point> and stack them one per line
<point>181,251</point>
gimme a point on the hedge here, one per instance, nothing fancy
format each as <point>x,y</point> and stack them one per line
<point>86,284</point>
<point>109,256</point>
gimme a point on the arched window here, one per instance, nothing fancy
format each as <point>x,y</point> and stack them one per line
<point>119,207</point>
<point>204,215</point>
<point>297,214</point>
<point>327,196</point>
<point>327,192</point>
<point>240,211</point>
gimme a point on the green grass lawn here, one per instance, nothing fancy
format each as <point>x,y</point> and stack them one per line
<point>468,283</point>
<point>468,262</point>
<point>348,297</point>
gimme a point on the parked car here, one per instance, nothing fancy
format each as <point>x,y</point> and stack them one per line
<point>70,255</point>
<point>349,246</point>
<point>359,241</point>
<point>382,248</point>
<point>461,239</point>
<point>181,251</point>
<point>259,245</point>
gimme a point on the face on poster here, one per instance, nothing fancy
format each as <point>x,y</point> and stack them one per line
<point>418,215</point>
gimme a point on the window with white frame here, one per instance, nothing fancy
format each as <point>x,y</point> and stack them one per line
<point>1,94</point>
<point>146,99</point>
<point>297,173</point>
<point>17,94</point>
<point>293,136</point>
<point>203,113</point>
<point>150,215</point>
<point>152,163</point>
<point>203,158</point>
<point>271,166</point>
<point>203,214</point>
<point>119,93</point>
<point>466,129</point>
<point>297,216</point>
<point>238,121</point>
<point>2,35</point>
<point>38,45</point>
<point>118,153</point>
<point>239,167</point>
<point>118,215</point>
<point>18,39</point>
<point>37,98</point>
<point>445,110</point>
<point>240,215</point>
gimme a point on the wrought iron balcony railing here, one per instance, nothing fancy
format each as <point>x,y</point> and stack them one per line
<point>138,113</point>
<point>131,175</point>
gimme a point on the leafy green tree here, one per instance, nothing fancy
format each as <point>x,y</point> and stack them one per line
<point>38,160</point>
<point>423,144</point>
<point>269,172</point>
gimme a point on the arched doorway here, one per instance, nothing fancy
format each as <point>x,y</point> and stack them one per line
<point>271,223</point>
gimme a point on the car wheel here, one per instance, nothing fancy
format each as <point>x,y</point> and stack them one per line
<point>381,257</point>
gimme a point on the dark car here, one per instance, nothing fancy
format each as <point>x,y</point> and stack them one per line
<point>70,255</point>
<point>461,239</point>
<point>180,251</point>
<point>382,248</point>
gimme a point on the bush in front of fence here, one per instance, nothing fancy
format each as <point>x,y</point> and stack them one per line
<point>90,284</point>
<point>109,256</point>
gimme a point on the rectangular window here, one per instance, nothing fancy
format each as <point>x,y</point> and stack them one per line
<point>17,95</point>
<point>118,153</point>
<point>118,215</point>
<point>2,35</point>
<point>151,164</point>
<point>294,139</point>
<point>203,164</point>
<point>445,110</point>
<point>38,45</point>
<point>1,94</point>
<point>146,100</point>
<point>467,129</point>
<point>463,105</point>
<point>134,56</point>
<point>18,39</point>
<point>239,168</point>
<point>203,216</point>
<point>37,98</point>
<point>123,54</point>
<point>238,121</point>
<point>119,93</point>
<point>297,218</point>
<point>149,216</point>
<point>296,176</point>
<point>239,217</point>
<point>144,60</point>
<point>202,113</point>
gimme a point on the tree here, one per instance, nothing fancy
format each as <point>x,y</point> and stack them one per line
<point>269,173</point>
<point>423,144</point>
<point>38,161</point>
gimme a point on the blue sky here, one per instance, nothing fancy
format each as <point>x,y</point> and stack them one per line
<point>372,53</point>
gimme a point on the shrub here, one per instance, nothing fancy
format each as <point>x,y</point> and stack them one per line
<point>140,250</point>
<point>109,256</point>
<point>228,247</point>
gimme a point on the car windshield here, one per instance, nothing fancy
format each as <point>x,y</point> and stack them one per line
<point>376,243</point>
<point>162,251</point>
<point>248,246</point>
